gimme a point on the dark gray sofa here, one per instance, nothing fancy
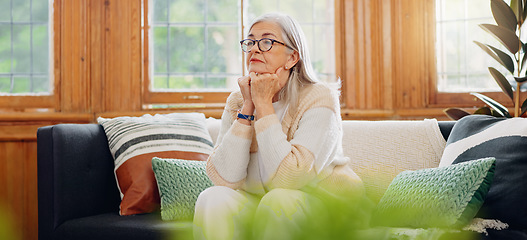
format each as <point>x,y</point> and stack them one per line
<point>78,196</point>
<point>77,193</point>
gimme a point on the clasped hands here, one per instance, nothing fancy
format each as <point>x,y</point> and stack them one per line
<point>260,89</point>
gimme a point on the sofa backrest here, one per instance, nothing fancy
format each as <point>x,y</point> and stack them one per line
<point>75,175</point>
<point>379,150</point>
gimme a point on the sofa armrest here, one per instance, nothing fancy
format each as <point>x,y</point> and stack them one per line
<point>75,175</point>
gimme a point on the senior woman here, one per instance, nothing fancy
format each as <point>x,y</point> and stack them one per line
<point>279,149</point>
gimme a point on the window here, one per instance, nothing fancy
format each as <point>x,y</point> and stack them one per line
<point>461,65</point>
<point>193,46</point>
<point>25,47</point>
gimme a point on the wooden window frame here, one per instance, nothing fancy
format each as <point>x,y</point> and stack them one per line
<point>23,102</point>
<point>460,99</point>
<point>209,99</point>
<point>177,99</point>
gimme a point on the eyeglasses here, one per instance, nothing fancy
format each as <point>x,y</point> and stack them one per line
<point>264,44</point>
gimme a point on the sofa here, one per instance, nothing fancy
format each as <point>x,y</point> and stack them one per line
<point>78,197</point>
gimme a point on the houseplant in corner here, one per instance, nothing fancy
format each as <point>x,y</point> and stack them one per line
<point>508,32</point>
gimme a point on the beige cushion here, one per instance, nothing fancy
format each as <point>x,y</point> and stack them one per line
<point>379,150</point>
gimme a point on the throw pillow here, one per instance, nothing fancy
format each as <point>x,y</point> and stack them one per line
<point>134,141</point>
<point>436,197</point>
<point>478,136</point>
<point>180,182</point>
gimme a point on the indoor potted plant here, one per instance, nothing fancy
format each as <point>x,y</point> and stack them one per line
<point>509,19</point>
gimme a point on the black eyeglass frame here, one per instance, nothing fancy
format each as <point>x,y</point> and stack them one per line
<point>258,42</point>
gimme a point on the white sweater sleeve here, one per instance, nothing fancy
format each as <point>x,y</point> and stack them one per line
<point>232,152</point>
<point>292,164</point>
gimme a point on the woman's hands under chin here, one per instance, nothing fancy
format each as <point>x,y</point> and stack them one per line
<point>264,87</point>
<point>245,87</point>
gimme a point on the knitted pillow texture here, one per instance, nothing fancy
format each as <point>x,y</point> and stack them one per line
<point>436,197</point>
<point>180,182</point>
<point>478,136</point>
<point>134,141</point>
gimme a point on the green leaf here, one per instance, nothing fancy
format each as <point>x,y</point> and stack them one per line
<point>502,110</point>
<point>503,58</point>
<point>520,79</point>
<point>504,15</point>
<point>524,107</point>
<point>506,59</point>
<point>455,113</point>
<point>524,15</point>
<point>483,111</point>
<point>524,59</point>
<point>505,36</point>
<point>502,82</point>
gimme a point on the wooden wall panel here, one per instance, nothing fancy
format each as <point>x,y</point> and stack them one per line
<point>18,188</point>
<point>74,74</point>
<point>387,57</point>
<point>122,56</point>
<point>367,47</point>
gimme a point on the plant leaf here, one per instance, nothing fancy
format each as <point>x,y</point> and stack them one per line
<point>520,79</point>
<point>505,58</point>
<point>502,82</point>
<point>455,113</point>
<point>483,111</point>
<point>524,59</point>
<point>500,109</point>
<point>523,108</point>
<point>504,15</point>
<point>505,36</point>
<point>524,11</point>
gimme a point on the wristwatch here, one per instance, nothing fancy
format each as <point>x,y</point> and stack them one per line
<point>246,117</point>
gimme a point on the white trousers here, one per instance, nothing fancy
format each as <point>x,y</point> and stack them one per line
<point>223,213</point>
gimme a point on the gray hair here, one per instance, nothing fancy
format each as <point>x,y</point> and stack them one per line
<point>302,73</point>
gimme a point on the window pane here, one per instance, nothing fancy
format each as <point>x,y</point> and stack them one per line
<point>224,52</point>
<point>21,10</point>
<point>40,11</point>
<point>21,49</point>
<point>40,84</point>
<point>21,85</point>
<point>160,12</point>
<point>198,48</point>
<point>223,11</point>
<point>40,49</point>
<point>461,65</point>
<point>24,47</point>
<point>186,11</point>
<point>160,44</point>
<point>185,82</point>
<point>5,11</point>
<point>5,84</point>
<point>5,48</point>
<point>187,48</point>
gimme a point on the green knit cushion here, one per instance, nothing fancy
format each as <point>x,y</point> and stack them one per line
<point>436,197</point>
<point>180,182</point>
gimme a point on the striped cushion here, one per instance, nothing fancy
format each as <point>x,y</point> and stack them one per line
<point>505,139</point>
<point>134,141</point>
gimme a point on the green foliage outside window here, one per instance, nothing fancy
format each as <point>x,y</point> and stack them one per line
<point>196,43</point>
<point>24,47</point>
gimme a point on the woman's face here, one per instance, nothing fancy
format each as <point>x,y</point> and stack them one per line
<point>267,62</point>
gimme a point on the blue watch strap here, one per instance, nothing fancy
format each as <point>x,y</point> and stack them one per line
<point>246,117</point>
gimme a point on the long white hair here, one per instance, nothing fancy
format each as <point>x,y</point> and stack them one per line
<point>302,73</point>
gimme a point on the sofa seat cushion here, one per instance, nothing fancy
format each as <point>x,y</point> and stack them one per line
<point>112,226</point>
